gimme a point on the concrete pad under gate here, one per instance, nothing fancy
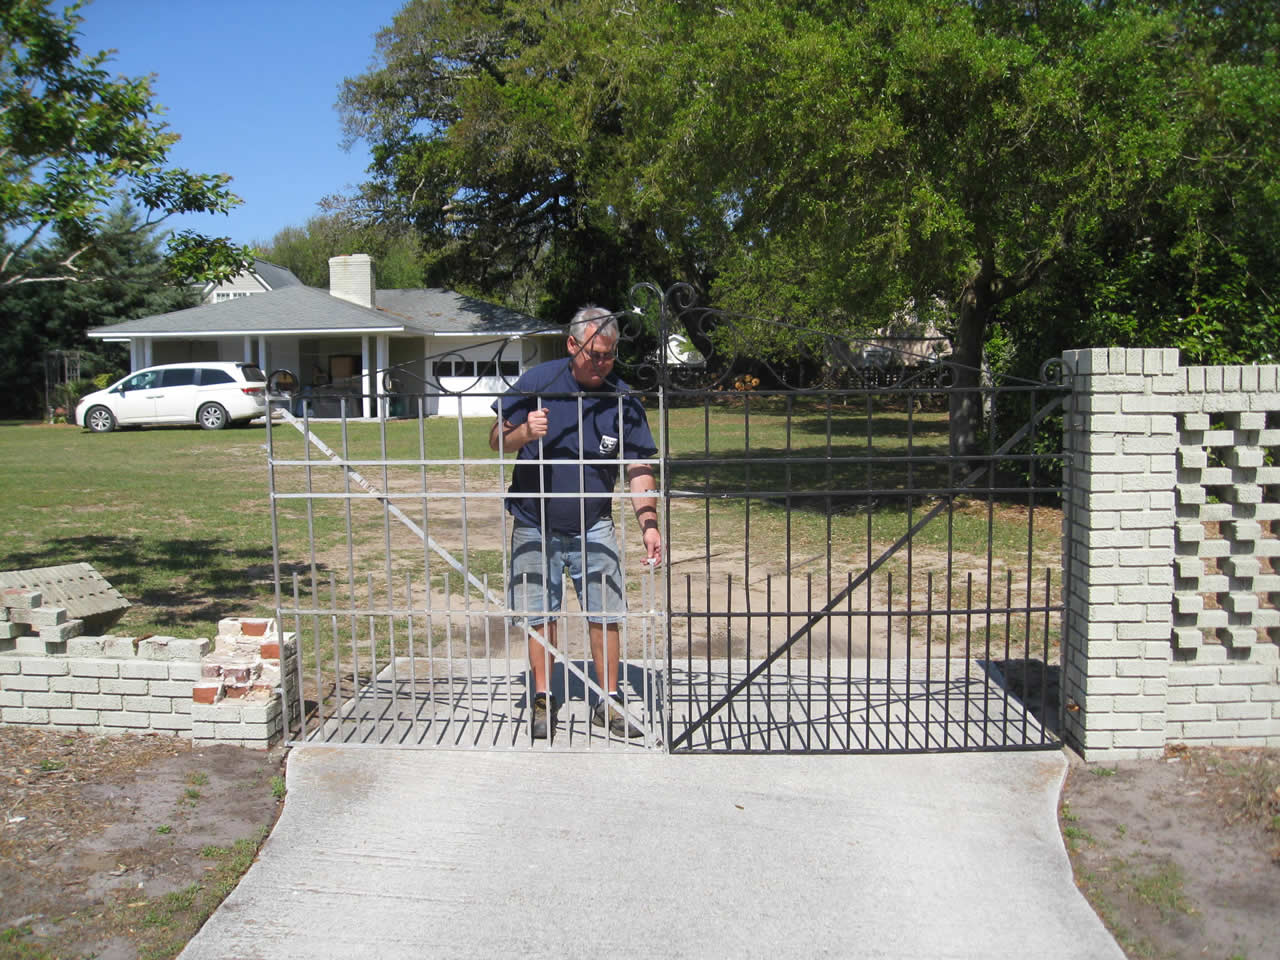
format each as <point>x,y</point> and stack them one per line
<point>388,853</point>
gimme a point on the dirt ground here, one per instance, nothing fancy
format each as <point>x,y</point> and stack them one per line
<point>1180,856</point>
<point>120,847</point>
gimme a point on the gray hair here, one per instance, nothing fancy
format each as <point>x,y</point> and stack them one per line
<point>604,323</point>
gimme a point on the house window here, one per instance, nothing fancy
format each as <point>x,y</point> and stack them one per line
<point>222,295</point>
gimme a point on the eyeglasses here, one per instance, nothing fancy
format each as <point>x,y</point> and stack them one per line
<point>598,356</point>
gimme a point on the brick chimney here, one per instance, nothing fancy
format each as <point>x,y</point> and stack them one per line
<point>351,278</point>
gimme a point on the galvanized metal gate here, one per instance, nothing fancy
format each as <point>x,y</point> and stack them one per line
<point>847,571</point>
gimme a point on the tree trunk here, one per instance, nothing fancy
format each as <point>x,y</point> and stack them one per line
<point>976,306</point>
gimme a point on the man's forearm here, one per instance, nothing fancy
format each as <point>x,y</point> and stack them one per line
<point>642,481</point>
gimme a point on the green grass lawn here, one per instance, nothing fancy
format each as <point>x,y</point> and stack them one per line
<point>179,519</point>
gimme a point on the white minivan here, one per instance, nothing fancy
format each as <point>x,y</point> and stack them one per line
<point>211,394</point>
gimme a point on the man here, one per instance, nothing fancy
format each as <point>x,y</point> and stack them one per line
<point>578,411</point>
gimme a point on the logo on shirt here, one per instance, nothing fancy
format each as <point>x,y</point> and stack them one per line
<point>608,445</point>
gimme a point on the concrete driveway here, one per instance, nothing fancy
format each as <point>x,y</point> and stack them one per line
<point>389,853</point>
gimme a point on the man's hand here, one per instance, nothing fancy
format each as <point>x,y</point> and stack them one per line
<point>538,423</point>
<point>513,438</point>
<point>652,537</point>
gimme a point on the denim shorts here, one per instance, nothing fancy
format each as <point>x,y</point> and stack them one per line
<point>536,587</point>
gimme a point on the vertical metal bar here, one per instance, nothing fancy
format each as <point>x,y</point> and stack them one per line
<point>968,637</point>
<point>888,661</point>
<point>335,714</point>
<point>467,623</point>
<point>297,629</point>
<point>1008,623</point>
<point>372,686</point>
<point>928,660</point>
<point>1044,688</point>
<point>275,564</point>
<point>870,633</point>
<point>488,659</point>
<point>353,620</point>
<point>451,717</point>
<point>414,706</point>
<point>768,677</point>
<point>386,528</point>
<point>808,667</point>
<point>728,620</point>
<point>848,662</point>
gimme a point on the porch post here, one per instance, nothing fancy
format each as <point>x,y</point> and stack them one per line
<point>262,354</point>
<point>246,349</point>
<point>384,361</point>
<point>366,388</point>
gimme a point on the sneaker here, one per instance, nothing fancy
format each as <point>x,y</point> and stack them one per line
<point>610,713</point>
<point>544,716</point>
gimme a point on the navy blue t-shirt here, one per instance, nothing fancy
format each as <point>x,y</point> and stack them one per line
<point>613,427</point>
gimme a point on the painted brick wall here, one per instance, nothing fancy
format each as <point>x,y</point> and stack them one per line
<point>1170,523</point>
<point>154,685</point>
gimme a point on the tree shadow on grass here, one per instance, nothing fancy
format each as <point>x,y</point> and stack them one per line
<point>181,581</point>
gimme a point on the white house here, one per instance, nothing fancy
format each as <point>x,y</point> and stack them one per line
<point>371,347</point>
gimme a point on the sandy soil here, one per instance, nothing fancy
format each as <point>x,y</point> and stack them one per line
<point>1180,856</point>
<point>119,847</point>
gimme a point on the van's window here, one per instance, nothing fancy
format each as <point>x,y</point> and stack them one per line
<point>208,375</point>
<point>182,377</point>
<point>253,374</point>
<point>141,381</point>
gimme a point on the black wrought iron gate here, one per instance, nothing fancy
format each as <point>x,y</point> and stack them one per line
<point>851,570</point>
<point>864,550</point>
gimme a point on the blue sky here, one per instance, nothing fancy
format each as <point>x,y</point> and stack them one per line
<point>250,87</point>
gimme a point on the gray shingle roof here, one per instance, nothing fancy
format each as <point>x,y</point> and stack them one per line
<point>443,311</point>
<point>275,276</point>
<point>291,310</point>
<point>297,309</point>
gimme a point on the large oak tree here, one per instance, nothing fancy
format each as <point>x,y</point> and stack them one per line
<point>828,162</point>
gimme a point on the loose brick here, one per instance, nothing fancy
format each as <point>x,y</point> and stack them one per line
<point>47,616</point>
<point>154,648</point>
<point>85,647</point>
<point>206,692</point>
<point>21,601</point>
<point>182,649</point>
<point>122,648</point>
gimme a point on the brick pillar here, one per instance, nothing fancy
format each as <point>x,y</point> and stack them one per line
<point>1118,523</point>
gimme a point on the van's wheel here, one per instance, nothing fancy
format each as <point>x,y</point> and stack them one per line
<point>99,420</point>
<point>212,416</point>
